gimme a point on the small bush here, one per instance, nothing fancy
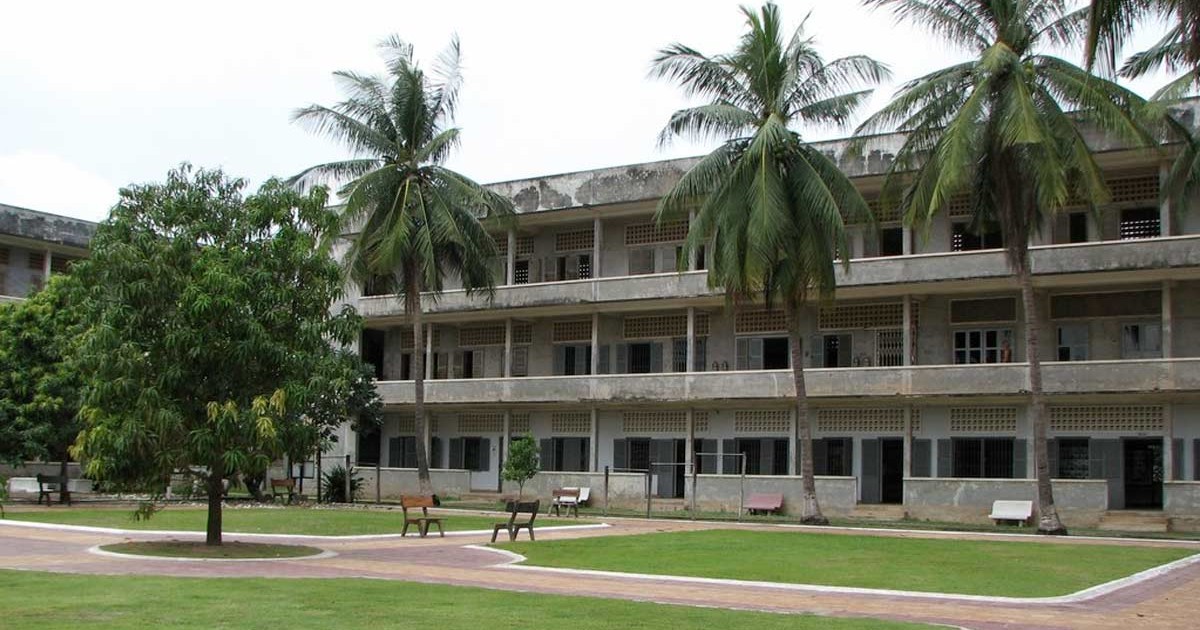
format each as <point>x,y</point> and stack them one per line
<point>334,485</point>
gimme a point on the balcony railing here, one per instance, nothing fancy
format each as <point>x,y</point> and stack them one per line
<point>1050,260</point>
<point>1089,377</point>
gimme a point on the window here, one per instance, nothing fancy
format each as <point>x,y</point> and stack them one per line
<point>574,267</point>
<point>1139,223</point>
<point>1120,304</point>
<point>990,345</point>
<point>567,454</point>
<point>836,350</point>
<point>371,347</point>
<point>402,452</point>
<point>376,285</point>
<point>965,239</point>
<point>1074,459</point>
<point>1073,342</point>
<point>1077,227</point>
<point>521,271</point>
<point>1142,340</point>
<point>983,310</point>
<point>989,458</point>
<point>572,360</point>
<point>640,358</point>
<point>679,354</point>
<point>762,353</point>
<point>368,447</point>
<point>520,362</point>
<point>641,261</point>
<point>474,453</point>
<point>838,453</point>
<point>891,241</point>
<point>406,366</point>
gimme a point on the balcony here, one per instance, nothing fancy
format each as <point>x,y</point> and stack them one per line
<point>1092,377</point>
<point>866,277</point>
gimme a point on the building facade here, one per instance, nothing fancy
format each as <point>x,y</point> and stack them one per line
<point>34,245</point>
<point>612,351</point>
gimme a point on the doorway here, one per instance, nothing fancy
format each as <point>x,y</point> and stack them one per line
<point>1143,474</point>
<point>891,468</point>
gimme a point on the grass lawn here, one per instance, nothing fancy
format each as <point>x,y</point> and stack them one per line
<point>1014,569</point>
<point>194,549</point>
<point>291,520</point>
<point>45,600</point>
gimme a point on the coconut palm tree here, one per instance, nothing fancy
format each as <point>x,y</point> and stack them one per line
<point>1004,129</point>
<point>417,222</point>
<point>1111,22</point>
<point>770,207</point>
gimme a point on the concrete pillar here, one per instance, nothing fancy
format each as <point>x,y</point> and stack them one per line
<point>908,438</point>
<point>597,235</point>
<point>429,351</point>
<point>1168,332</point>
<point>511,263</point>
<point>908,240</point>
<point>46,267</point>
<point>594,443</point>
<point>595,363</point>
<point>504,440</point>
<point>508,347</point>
<point>1169,462</point>
<point>689,448</point>
<point>1164,208</point>
<point>691,341</point>
<point>907,342</point>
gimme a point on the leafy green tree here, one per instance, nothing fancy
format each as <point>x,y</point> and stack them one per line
<point>768,205</point>
<point>39,388</point>
<point>211,345</point>
<point>522,462</point>
<point>1005,130</point>
<point>417,222</point>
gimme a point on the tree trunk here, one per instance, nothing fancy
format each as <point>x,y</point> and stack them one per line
<point>65,495</point>
<point>413,306</point>
<point>811,511</point>
<point>1048,521</point>
<point>216,492</point>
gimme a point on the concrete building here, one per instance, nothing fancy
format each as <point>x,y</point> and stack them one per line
<point>615,353</point>
<point>34,245</point>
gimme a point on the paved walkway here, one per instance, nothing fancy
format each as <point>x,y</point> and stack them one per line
<point>1166,601</point>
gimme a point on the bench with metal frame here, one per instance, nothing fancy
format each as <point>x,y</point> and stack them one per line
<point>285,488</point>
<point>424,520</point>
<point>512,525</point>
<point>48,484</point>
<point>568,499</point>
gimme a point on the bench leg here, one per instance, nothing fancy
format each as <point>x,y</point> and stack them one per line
<point>496,531</point>
<point>441,532</point>
<point>404,532</point>
<point>423,527</point>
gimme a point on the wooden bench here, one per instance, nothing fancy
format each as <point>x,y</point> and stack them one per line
<point>48,484</point>
<point>424,520</point>
<point>512,525</point>
<point>763,503</point>
<point>1019,511</point>
<point>285,488</point>
<point>565,498</point>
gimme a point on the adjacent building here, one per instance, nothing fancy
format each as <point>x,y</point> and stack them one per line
<point>34,245</point>
<point>613,352</point>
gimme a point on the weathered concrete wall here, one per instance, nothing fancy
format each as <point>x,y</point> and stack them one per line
<point>837,495</point>
<point>41,226</point>
<point>32,469</point>
<point>1181,498</point>
<point>397,481</point>
<point>1081,503</point>
<point>625,490</point>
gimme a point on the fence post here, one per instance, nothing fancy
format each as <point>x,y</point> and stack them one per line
<point>606,490</point>
<point>378,475</point>
<point>349,497</point>
<point>648,468</point>
<point>695,478</point>
<point>742,488</point>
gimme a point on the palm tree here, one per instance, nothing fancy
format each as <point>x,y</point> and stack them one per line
<point>1111,22</point>
<point>1004,129</point>
<point>770,206</point>
<point>416,221</point>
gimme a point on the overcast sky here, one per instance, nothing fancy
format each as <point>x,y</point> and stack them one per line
<point>95,95</point>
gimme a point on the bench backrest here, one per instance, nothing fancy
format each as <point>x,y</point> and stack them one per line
<point>283,483</point>
<point>572,493</point>
<point>1016,509</point>
<point>49,480</point>
<point>516,508</point>
<point>416,501</point>
<point>765,500</point>
<point>584,494</point>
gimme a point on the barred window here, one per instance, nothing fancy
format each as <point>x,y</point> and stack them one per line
<point>652,233</point>
<point>983,419</point>
<point>662,326</point>
<point>1117,418</point>
<point>763,421</point>
<point>575,240</point>
<point>760,321</point>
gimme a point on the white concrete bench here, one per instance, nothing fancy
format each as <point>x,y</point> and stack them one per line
<point>1020,511</point>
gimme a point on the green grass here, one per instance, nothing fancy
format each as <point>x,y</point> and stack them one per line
<point>1004,568</point>
<point>226,551</point>
<point>292,520</point>
<point>28,600</point>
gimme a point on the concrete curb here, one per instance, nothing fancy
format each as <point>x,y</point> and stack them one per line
<point>325,553</point>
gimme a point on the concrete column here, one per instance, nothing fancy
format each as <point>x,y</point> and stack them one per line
<point>508,347</point>
<point>1169,462</point>
<point>510,271</point>
<point>793,447</point>
<point>597,235</point>
<point>908,438</point>
<point>595,363</point>
<point>689,448</point>
<point>1168,321</point>
<point>907,333</point>
<point>691,341</point>
<point>46,266</point>
<point>908,240</point>
<point>507,434</point>
<point>594,443</point>
<point>691,261</point>
<point>429,351</point>
<point>1164,208</point>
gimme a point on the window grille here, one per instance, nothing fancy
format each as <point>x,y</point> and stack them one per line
<point>525,245</point>
<point>579,330</point>
<point>889,348</point>
<point>760,322</point>
<point>61,264</point>
<point>700,421</point>
<point>881,214</point>
<point>983,419</point>
<point>37,260</point>
<point>1129,189</point>
<point>501,241</point>
<point>522,332</point>
<point>573,241</point>
<point>481,335</point>
<point>481,422</point>
<point>407,423</point>
<point>518,423</point>
<point>1002,309</point>
<point>634,422</point>
<point>1124,418</point>
<point>651,233</point>
<point>850,420</point>
<point>570,422</point>
<point>763,421</point>
<point>959,206</point>
<point>406,338</point>
<point>1139,223</point>
<point>885,315</point>
<point>661,326</point>
<point>3,255</point>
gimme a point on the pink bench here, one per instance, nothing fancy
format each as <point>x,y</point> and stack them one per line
<point>763,503</point>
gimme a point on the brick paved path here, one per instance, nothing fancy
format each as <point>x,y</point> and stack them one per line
<point>1167,601</point>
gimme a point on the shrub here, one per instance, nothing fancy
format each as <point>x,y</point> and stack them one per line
<point>334,485</point>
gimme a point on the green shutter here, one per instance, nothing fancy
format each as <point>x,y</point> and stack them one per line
<point>485,454</point>
<point>1177,459</point>
<point>945,458</point>
<point>620,454</point>
<point>456,453</point>
<point>394,452</point>
<point>1020,460</point>
<point>871,490</point>
<point>546,455</point>
<point>1052,457</point>
<point>922,458</point>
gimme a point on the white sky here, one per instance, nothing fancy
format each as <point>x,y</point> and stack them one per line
<point>95,95</point>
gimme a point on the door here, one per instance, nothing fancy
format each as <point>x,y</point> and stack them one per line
<point>1143,474</point>
<point>891,470</point>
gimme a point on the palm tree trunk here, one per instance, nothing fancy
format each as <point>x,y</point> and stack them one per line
<point>216,495</point>
<point>811,510</point>
<point>412,299</point>
<point>1048,521</point>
